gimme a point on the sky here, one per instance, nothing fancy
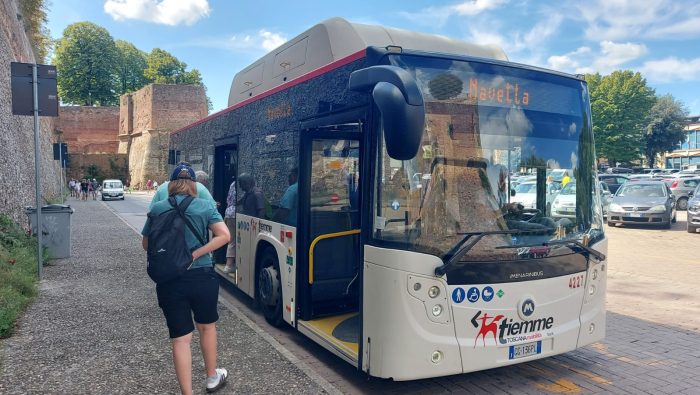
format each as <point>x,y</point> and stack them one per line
<point>659,38</point>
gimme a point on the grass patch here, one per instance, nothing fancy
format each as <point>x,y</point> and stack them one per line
<point>17,273</point>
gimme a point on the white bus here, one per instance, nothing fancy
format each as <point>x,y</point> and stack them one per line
<point>397,247</point>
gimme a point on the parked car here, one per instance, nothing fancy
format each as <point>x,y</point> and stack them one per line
<point>643,203</point>
<point>564,203</point>
<point>526,194</point>
<point>112,189</point>
<point>618,170</point>
<point>694,210</point>
<point>638,177</point>
<point>680,188</point>
<point>613,181</point>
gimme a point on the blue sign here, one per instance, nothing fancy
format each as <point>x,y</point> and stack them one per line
<point>487,294</point>
<point>458,295</point>
<point>395,205</point>
<point>473,294</point>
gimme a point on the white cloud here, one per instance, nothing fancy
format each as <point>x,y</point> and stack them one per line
<point>608,58</point>
<point>625,19</point>
<point>671,69</point>
<point>614,54</point>
<point>568,61</point>
<point>254,42</point>
<point>271,40</point>
<point>165,12</point>
<point>432,16</point>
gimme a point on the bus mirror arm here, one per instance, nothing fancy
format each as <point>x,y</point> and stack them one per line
<point>396,94</point>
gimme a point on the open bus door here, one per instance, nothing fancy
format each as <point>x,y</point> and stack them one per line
<point>330,276</point>
<point>225,168</point>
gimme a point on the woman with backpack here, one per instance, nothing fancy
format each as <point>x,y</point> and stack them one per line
<point>196,290</point>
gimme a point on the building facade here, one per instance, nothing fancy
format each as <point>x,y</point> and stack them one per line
<point>688,152</point>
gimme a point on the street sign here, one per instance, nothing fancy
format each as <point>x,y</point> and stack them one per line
<point>22,90</point>
<point>60,152</point>
<point>33,88</point>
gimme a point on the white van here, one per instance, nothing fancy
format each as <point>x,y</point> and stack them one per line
<point>112,189</point>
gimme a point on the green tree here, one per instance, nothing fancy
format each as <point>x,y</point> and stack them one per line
<point>85,58</point>
<point>665,129</point>
<point>130,67</point>
<point>620,103</point>
<point>164,68</point>
<point>34,18</point>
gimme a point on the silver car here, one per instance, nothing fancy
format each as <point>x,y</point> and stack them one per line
<point>643,203</point>
<point>680,188</point>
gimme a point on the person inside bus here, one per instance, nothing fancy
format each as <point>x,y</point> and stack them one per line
<point>287,212</point>
<point>253,201</point>
<point>230,220</point>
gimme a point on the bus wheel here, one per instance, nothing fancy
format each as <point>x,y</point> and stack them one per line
<point>270,288</point>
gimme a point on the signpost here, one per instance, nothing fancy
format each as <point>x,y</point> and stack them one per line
<point>34,92</point>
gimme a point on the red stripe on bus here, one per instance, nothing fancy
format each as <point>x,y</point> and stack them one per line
<point>302,78</point>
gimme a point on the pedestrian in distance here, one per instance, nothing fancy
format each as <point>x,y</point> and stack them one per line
<point>77,189</point>
<point>149,185</point>
<point>84,189</point>
<point>194,293</point>
<point>95,186</point>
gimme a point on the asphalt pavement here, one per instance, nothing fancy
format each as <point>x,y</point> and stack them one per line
<point>96,327</point>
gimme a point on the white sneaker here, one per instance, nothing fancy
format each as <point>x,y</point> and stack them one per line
<point>217,382</point>
<point>229,269</point>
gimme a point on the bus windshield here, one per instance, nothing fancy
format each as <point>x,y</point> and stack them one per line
<point>485,124</point>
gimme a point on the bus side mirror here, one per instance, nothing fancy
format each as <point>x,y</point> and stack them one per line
<point>400,101</point>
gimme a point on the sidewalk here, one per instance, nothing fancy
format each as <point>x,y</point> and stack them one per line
<point>96,328</point>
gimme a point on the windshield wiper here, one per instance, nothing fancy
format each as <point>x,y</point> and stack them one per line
<point>599,256</point>
<point>462,247</point>
<point>595,254</point>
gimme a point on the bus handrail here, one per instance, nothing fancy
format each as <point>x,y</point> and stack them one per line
<point>323,237</point>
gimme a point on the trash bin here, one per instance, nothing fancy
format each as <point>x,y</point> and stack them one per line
<point>55,222</point>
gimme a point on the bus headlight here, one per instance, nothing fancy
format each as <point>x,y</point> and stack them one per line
<point>434,292</point>
<point>437,310</point>
<point>591,290</point>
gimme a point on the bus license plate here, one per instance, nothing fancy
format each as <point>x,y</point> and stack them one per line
<point>524,350</point>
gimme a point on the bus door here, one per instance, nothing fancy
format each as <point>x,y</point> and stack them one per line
<point>225,169</point>
<point>330,218</point>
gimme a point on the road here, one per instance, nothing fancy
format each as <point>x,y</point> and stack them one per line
<point>653,327</point>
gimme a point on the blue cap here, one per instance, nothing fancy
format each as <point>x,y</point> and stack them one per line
<point>179,169</point>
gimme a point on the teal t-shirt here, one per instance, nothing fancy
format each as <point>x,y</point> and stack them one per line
<point>162,193</point>
<point>289,201</point>
<point>201,213</point>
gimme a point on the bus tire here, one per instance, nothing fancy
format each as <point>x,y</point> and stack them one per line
<point>269,287</point>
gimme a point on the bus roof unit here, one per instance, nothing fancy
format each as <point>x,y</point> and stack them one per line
<point>336,39</point>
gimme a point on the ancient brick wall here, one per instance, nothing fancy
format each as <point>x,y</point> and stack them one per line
<point>100,166</point>
<point>89,130</point>
<point>17,132</point>
<point>147,117</point>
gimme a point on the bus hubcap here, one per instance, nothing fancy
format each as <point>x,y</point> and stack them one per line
<point>269,286</point>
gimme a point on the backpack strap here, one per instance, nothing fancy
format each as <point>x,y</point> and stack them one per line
<point>181,208</point>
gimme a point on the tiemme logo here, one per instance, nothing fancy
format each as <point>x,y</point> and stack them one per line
<point>508,328</point>
<point>509,331</point>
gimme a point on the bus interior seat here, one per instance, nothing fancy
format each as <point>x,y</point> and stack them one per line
<point>336,261</point>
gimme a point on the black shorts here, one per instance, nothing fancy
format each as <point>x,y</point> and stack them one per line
<point>196,292</point>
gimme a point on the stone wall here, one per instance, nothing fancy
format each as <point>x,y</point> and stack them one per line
<point>17,132</point>
<point>89,130</point>
<point>105,166</point>
<point>146,119</point>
